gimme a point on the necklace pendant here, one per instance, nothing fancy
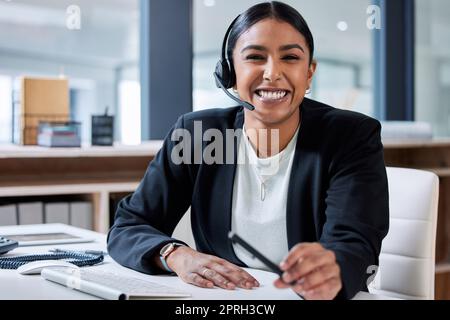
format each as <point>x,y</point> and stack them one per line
<point>263,192</point>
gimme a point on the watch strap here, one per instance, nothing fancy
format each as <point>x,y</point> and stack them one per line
<point>164,263</point>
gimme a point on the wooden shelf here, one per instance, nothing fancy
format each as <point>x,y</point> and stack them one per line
<point>11,151</point>
<point>442,268</point>
<point>440,172</point>
<point>98,193</point>
<point>61,189</point>
<point>64,181</point>
<point>94,172</point>
<point>29,165</point>
<point>408,144</point>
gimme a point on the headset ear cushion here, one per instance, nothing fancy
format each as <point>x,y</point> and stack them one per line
<point>224,74</point>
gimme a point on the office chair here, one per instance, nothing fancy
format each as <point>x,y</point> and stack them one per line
<point>407,259</point>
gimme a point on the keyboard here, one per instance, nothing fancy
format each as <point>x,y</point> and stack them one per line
<point>109,285</point>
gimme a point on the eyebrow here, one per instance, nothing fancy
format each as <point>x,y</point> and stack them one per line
<point>291,46</point>
<point>282,48</point>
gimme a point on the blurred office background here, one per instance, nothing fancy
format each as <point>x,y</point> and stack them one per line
<point>102,58</point>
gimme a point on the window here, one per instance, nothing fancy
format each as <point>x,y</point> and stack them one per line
<point>130,108</point>
<point>95,44</point>
<point>5,108</point>
<point>344,50</point>
<point>432,66</point>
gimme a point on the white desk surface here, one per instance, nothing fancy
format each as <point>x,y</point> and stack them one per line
<point>20,287</point>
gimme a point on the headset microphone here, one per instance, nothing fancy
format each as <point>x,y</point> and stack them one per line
<point>242,102</point>
<point>225,75</point>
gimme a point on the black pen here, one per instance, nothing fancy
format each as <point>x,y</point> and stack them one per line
<point>255,253</point>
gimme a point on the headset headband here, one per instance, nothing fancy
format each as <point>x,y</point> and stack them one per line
<point>225,40</point>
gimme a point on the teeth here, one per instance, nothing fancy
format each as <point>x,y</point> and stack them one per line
<point>272,95</point>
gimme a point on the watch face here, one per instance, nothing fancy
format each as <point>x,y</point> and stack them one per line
<point>166,249</point>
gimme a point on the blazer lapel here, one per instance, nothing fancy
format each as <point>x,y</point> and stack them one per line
<point>299,217</point>
<point>221,217</point>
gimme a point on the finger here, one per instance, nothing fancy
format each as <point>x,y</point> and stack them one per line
<point>297,253</point>
<point>235,268</point>
<point>250,281</point>
<point>315,278</point>
<point>217,279</point>
<point>280,284</point>
<point>237,275</point>
<point>308,264</point>
<point>324,291</point>
<point>198,280</point>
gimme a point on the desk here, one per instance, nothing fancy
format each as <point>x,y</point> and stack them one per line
<point>20,287</point>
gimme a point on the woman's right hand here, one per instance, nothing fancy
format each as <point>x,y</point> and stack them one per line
<point>207,271</point>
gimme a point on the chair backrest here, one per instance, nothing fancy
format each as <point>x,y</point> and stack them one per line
<point>407,259</point>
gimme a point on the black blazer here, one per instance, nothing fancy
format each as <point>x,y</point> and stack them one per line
<point>338,194</point>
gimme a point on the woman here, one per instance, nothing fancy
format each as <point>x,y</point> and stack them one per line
<point>322,213</point>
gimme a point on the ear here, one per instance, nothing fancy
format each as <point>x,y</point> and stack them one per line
<point>311,71</point>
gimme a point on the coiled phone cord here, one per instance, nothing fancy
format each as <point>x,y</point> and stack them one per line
<point>80,259</point>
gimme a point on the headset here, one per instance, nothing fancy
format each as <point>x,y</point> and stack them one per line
<point>225,75</point>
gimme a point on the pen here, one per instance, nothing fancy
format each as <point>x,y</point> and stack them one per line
<point>272,266</point>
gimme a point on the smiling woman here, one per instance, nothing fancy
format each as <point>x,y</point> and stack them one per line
<point>321,214</point>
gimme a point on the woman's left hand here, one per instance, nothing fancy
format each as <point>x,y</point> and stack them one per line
<point>313,270</point>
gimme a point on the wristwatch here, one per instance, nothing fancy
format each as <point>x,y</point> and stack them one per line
<point>165,251</point>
